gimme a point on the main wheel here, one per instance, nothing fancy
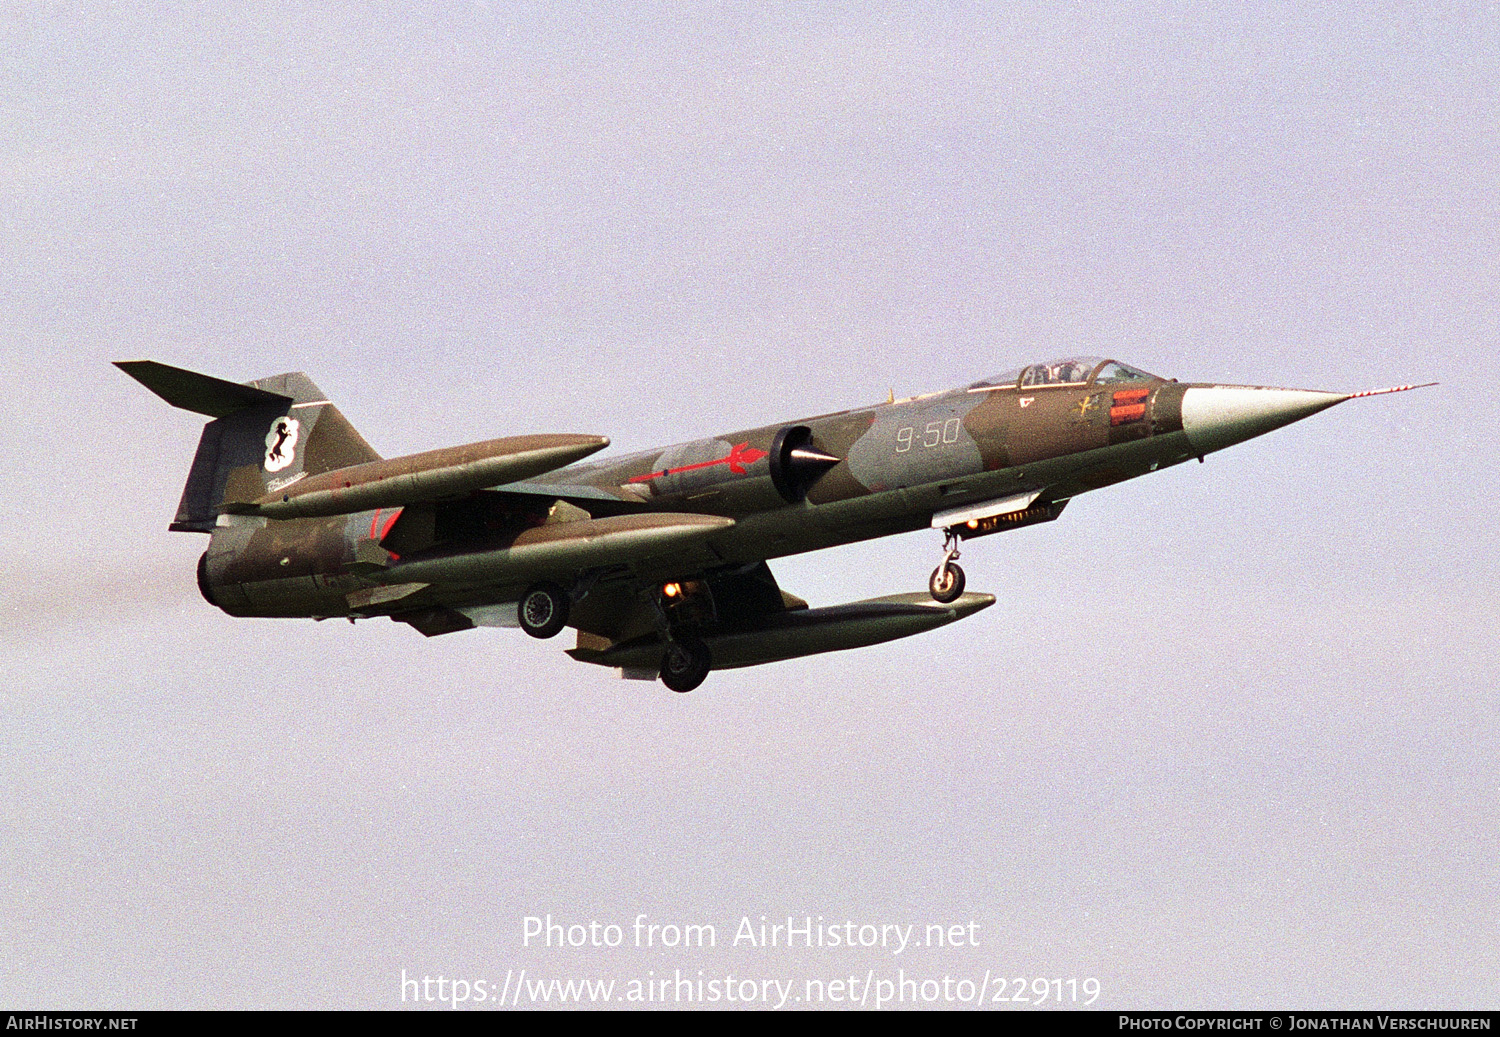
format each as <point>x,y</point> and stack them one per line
<point>685,663</point>
<point>947,583</point>
<point>543,610</point>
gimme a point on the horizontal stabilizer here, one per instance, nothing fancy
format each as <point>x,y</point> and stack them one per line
<point>545,550</point>
<point>199,393</point>
<point>792,634</point>
<point>398,481</point>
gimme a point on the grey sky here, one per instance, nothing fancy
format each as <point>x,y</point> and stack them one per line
<point>1228,738</point>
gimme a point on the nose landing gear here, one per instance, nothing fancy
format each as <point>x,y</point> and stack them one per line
<point>947,582</point>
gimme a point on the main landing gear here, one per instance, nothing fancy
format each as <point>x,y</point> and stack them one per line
<point>947,581</point>
<point>543,610</point>
<point>685,659</point>
<point>685,664</point>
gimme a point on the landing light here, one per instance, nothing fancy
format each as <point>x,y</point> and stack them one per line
<point>671,590</point>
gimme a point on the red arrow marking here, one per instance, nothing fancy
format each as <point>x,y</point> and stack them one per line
<point>740,455</point>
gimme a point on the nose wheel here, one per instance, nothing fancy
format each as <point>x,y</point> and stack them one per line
<point>947,582</point>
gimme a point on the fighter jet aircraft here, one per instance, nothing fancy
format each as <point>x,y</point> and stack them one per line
<point>658,559</point>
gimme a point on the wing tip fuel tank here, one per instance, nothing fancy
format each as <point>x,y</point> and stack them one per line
<point>793,634</point>
<point>566,545</point>
<point>449,472</point>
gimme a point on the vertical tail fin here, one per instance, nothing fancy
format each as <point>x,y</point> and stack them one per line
<point>266,434</point>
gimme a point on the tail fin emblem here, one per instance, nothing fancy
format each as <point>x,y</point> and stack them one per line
<point>281,443</point>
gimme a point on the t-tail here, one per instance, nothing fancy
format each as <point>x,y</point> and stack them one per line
<point>266,435</point>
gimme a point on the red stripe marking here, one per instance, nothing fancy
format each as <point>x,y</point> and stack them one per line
<point>385,529</point>
<point>1130,395</point>
<point>377,530</point>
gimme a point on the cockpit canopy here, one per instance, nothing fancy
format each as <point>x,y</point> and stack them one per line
<point>1074,370</point>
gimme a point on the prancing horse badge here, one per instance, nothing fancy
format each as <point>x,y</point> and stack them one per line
<point>281,444</point>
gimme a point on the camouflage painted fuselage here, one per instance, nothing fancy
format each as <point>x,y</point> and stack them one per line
<point>899,463</point>
<point>658,559</point>
<point>903,461</point>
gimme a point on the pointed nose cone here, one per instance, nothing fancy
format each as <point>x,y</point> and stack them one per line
<point>1217,416</point>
